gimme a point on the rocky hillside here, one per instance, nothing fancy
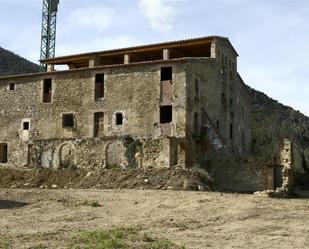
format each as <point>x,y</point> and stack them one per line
<point>273,122</point>
<point>11,63</point>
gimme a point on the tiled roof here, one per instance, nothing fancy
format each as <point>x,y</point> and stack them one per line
<point>136,48</point>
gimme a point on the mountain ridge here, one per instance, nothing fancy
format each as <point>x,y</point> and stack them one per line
<point>13,64</point>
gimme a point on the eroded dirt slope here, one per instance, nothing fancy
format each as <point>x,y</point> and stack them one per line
<point>172,179</point>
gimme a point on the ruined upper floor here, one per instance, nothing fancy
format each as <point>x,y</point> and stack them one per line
<point>209,47</point>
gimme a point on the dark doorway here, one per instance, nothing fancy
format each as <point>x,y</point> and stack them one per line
<point>278,177</point>
<point>231,131</point>
<point>3,153</point>
<point>98,128</point>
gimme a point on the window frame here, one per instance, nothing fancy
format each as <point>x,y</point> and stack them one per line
<point>99,86</point>
<point>166,108</point>
<point>28,125</point>
<point>47,97</point>
<point>119,117</point>
<point>10,88</point>
<point>164,71</point>
<point>4,147</point>
<point>65,120</point>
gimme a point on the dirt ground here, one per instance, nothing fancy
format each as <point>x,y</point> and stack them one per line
<point>40,218</point>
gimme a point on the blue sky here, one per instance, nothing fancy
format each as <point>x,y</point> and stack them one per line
<point>271,36</point>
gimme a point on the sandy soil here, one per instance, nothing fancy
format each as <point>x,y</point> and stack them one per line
<point>195,219</point>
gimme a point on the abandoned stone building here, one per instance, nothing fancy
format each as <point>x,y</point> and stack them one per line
<point>155,105</point>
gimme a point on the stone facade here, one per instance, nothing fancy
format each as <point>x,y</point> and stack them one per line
<point>145,111</point>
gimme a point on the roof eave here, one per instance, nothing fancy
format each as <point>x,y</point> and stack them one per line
<point>68,58</point>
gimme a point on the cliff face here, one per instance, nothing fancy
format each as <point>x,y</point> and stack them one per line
<point>272,122</point>
<point>11,64</point>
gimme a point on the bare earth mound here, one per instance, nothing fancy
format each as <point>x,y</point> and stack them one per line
<point>171,179</point>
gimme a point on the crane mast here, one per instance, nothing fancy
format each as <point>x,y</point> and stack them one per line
<point>48,33</point>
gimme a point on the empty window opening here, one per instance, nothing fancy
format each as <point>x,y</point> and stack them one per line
<point>231,102</point>
<point>222,71</point>
<point>231,131</point>
<point>47,90</point>
<point>196,123</point>
<point>197,90</point>
<point>243,112</point>
<point>223,99</point>
<point>243,140</point>
<point>3,153</point>
<point>98,128</point>
<point>166,114</point>
<point>218,125</point>
<point>166,73</point>
<point>99,86</point>
<point>119,118</point>
<point>12,86</point>
<point>231,75</point>
<point>26,126</point>
<point>203,116</point>
<point>68,120</point>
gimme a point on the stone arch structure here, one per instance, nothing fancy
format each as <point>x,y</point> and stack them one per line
<point>67,155</point>
<point>115,154</point>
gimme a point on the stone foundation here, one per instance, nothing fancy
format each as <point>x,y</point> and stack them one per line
<point>103,153</point>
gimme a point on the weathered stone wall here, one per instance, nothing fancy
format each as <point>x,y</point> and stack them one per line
<point>239,111</point>
<point>254,174</point>
<point>238,174</point>
<point>226,102</point>
<point>94,154</point>
<point>286,160</point>
<point>134,91</point>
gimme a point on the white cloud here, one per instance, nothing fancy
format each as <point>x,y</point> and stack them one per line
<point>98,17</point>
<point>159,13</point>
